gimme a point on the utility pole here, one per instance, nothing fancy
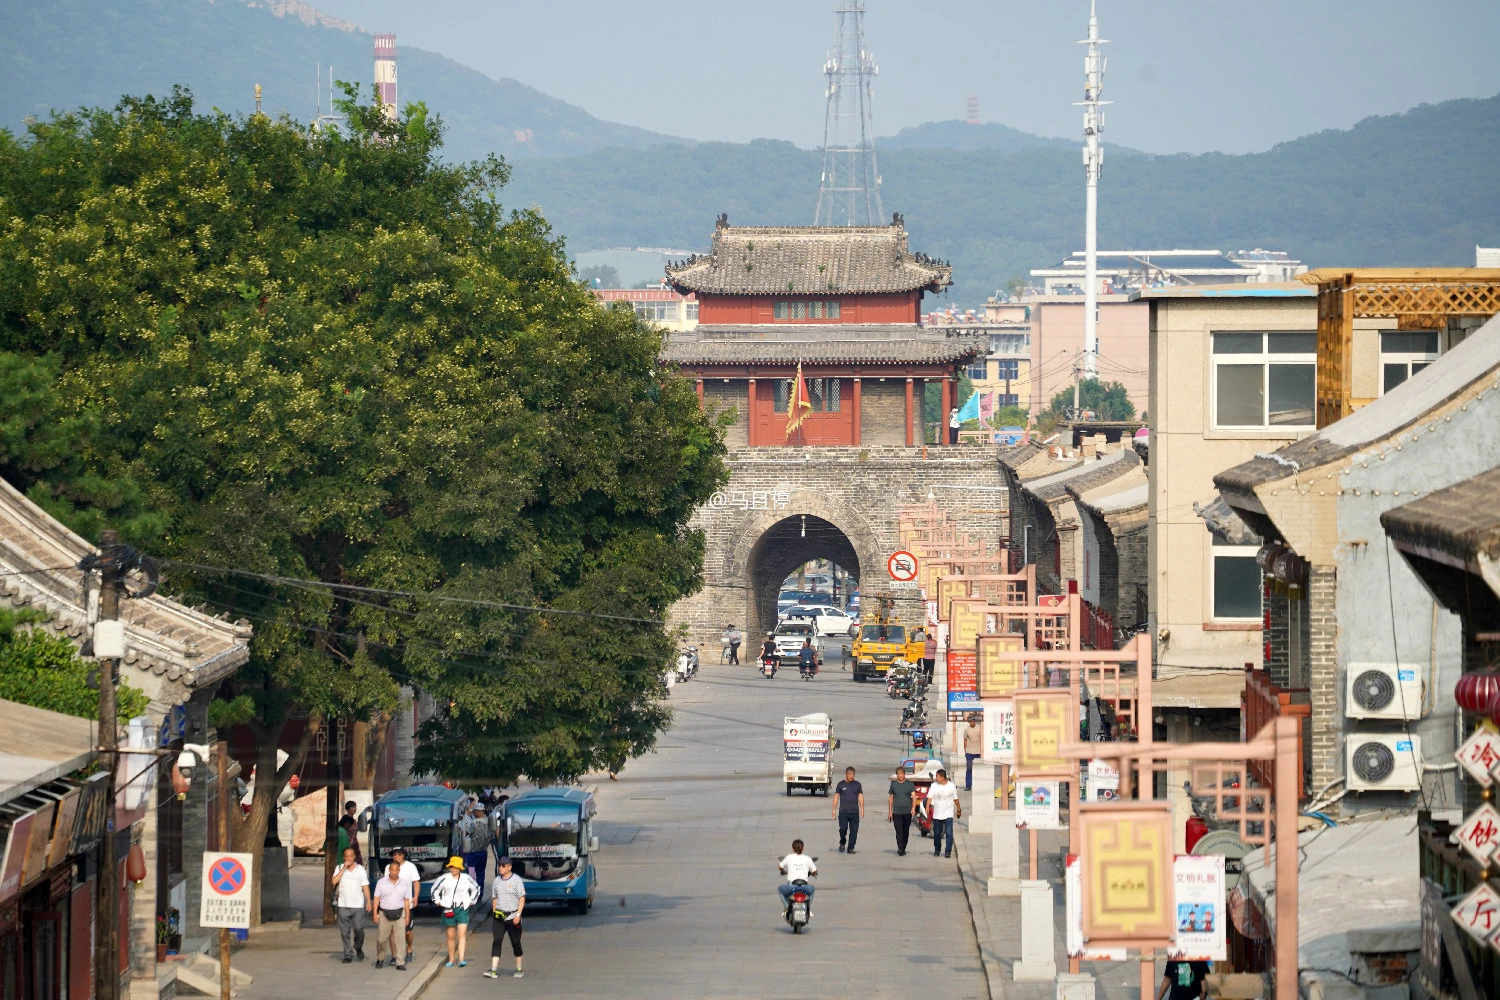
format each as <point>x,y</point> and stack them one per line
<point>1077,363</point>
<point>226,844</point>
<point>1093,162</point>
<point>331,775</point>
<point>111,574</point>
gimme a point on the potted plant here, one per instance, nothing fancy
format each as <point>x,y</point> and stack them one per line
<point>174,931</point>
<point>163,929</point>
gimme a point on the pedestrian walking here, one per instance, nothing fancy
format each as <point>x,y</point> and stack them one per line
<point>735,638</point>
<point>392,905</point>
<point>507,900</point>
<point>351,901</point>
<point>349,830</point>
<point>848,809</point>
<point>953,425</point>
<point>929,655</point>
<point>1186,980</point>
<point>412,879</point>
<point>973,750</point>
<point>474,841</point>
<point>454,893</point>
<point>900,806</point>
<point>943,806</point>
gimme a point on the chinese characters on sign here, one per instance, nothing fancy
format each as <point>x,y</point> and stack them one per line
<point>1480,753</point>
<point>1478,913</point>
<point>1198,891</point>
<point>226,890</point>
<point>1480,834</point>
<point>963,694</point>
<point>999,676</point>
<point>1073,909</point>
<point>1045,720</point>
<point>1126,873</point>
<point>751,499</point>
<point>999,732</point>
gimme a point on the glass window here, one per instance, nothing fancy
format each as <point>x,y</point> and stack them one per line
<point>833,309</point>
<point>1237,581</point>
<point>976,370</point>
<point>780,310</point>
<point>1403,353</point>
<point>692,310</point>
<point>782,392</point>
<point>1009,368</point>
<point>1264,380</point>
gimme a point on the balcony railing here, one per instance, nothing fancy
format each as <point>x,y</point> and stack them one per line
<point>1096,628</point>
<point>1264,701</point>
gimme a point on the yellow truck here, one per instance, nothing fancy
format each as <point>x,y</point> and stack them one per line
<point>882,640</point>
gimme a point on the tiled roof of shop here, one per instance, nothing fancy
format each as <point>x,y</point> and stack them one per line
<point>1084,476</point>
<point>809,260</point>
<point>1461,520</point>
<point>812,344</point>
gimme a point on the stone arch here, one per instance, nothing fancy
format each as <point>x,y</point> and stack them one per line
<point>771,543</point>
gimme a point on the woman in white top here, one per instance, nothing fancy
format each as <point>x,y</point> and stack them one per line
<point>454,892</point>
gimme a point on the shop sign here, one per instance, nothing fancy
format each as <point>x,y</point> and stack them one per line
<point>14,865</point>
<point>62,830</point>
<point>1045,720</point>
<point>1479,754</point>
<point>92,821</point>
<point>1480,834</point>
<point>999,732</point>
<point>1198,892</point>
<point>1478,913</point>
<point>1127,892</point>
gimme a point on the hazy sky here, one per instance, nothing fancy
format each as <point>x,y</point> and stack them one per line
<point>1186,75</point>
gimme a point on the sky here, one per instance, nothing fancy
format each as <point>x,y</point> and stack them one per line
<point>1185,75</point>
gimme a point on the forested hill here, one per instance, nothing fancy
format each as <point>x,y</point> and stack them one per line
<point>1417,188</point>
<point>63,54</point>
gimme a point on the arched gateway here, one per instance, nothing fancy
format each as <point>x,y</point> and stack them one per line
<point>837,308</point>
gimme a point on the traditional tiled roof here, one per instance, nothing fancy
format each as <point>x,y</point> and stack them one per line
<point>809,260</point>
<point>813,344</point>
<point>1084,476</point>
<point>1461,520</point>
<point>183,649</point>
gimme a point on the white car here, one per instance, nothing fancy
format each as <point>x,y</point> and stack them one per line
<point>827,619</point>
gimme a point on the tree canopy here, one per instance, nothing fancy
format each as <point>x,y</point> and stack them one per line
<point>330,356</point>
<point>43,670</point>
<point>1107,400</point>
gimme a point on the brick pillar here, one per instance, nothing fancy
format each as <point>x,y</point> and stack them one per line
<point>908,413</point>
<point>858,414</point>
<point>1326,749</point>
<point>750,415</point>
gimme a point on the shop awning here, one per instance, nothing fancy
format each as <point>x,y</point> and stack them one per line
<point>38,746</point>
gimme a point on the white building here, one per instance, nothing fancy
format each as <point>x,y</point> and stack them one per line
<point>1132,270</point>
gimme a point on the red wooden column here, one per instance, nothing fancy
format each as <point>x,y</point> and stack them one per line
<point>943,410</point>
<point>908,413</point>
<point>699,385</point>
<point>750,415</point>
<point>858,413</point>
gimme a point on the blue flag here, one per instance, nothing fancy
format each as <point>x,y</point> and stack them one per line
<point>970,409</point>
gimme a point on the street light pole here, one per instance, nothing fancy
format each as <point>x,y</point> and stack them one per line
<point>108,963</point>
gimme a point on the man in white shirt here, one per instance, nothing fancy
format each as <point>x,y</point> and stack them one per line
<point>797,866</point>
<point>351,901</point>
<point>413,880</point>
<point>943,806</point>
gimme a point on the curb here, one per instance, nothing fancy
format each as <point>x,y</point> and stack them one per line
<point>994,972</point>
<point>431,970</point>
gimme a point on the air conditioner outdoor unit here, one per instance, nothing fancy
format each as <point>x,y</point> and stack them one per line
<point>1383,763</point>
<point>1383,691</point>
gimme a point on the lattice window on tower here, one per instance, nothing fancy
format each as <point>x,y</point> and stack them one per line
<point>782,389</point>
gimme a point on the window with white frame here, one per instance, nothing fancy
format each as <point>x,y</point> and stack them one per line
<point>976,369</point>
<point>1264,380</point>
<point>692,310</point>
<point>1008,368</point>
<point>1236,582</point>
<point>1403,353</point>
<point>657,311</point>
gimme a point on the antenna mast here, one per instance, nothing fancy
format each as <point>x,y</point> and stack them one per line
<point>850,191</point>
<point>1093,161</point>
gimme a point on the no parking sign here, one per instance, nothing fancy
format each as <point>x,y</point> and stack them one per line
<point>226,890</point>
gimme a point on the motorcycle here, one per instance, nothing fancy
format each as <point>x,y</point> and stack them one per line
<point>798,913</point>
<point>687,663</point>
<point>768,667</point>
<point>807,671</point>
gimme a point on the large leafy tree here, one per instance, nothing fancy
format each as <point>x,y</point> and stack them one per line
<point>43,670</point>
<point>1108,400</point>
<point>330,356</point>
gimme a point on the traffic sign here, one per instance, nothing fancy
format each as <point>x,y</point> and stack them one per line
<point>226,890</point>
<point>902,566</point>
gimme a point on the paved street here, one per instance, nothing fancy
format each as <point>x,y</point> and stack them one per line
<point>687,904</point>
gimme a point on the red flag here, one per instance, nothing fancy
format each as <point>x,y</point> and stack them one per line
<point>798,406</point>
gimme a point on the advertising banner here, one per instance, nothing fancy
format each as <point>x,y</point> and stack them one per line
<point>999,732</point>
<point>1104,782</point>
<point>806,741</point>
<point>1036,805</point>
<point>1074,911</point>
<point>963,683</point>
<point>1198,884</point>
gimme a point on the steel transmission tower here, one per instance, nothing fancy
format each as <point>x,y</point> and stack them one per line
<point>1093,161</point>
<point>850,191</point>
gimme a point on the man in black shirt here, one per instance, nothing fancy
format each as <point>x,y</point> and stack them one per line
<point>901,805</point>
<point>1185,980</point>
<point>848,808</point>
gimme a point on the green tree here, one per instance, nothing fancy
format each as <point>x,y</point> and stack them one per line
<point>43,670</point>
<point>334,357</point>
<point>1107,400</point>
<point>604,274</point>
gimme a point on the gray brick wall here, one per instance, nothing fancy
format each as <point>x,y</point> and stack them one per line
<point>1278,605</point>
<point>1323,675</point>
<point>1131,540</point>
<point>883,409</point>
<point>857,490</point>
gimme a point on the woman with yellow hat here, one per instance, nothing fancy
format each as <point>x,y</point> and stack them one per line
<point>454,892</point>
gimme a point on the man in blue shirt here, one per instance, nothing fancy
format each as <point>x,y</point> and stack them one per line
<point>848,809</point>
<point>807,659</point>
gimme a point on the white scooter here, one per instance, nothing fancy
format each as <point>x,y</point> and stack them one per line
<point>687,663</point>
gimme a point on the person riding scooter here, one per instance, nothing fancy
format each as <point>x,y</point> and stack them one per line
<point>768,656</point>
<point>807,660</point>
<point>796,867</point>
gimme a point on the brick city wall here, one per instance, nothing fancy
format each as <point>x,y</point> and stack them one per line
<point>857,490</point>
<point>1130,546</point>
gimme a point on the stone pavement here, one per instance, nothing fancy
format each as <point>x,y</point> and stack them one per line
<point>687,904</point>
<point>997,919</point>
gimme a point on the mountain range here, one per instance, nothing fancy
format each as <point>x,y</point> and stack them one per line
<point>1403,190</point>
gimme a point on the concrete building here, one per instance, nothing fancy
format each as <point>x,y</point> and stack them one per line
<point>1231,376</point>
<point>662,306</point>
<point>1126,271</point>
<point>1057,344</point>
<point>1377,652</point>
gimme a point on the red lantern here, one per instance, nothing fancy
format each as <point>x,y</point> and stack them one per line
<point>1476,692</point>
<point>295,781</point>
<point>135,865</point>
<point>180,783</point>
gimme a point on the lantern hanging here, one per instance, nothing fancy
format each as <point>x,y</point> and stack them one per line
<point>180,783</point>
<point>1475,692</point>
<point>135,865</point>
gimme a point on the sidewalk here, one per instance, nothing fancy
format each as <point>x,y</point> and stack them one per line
<point>309,962</point>
<point>997,919</point>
